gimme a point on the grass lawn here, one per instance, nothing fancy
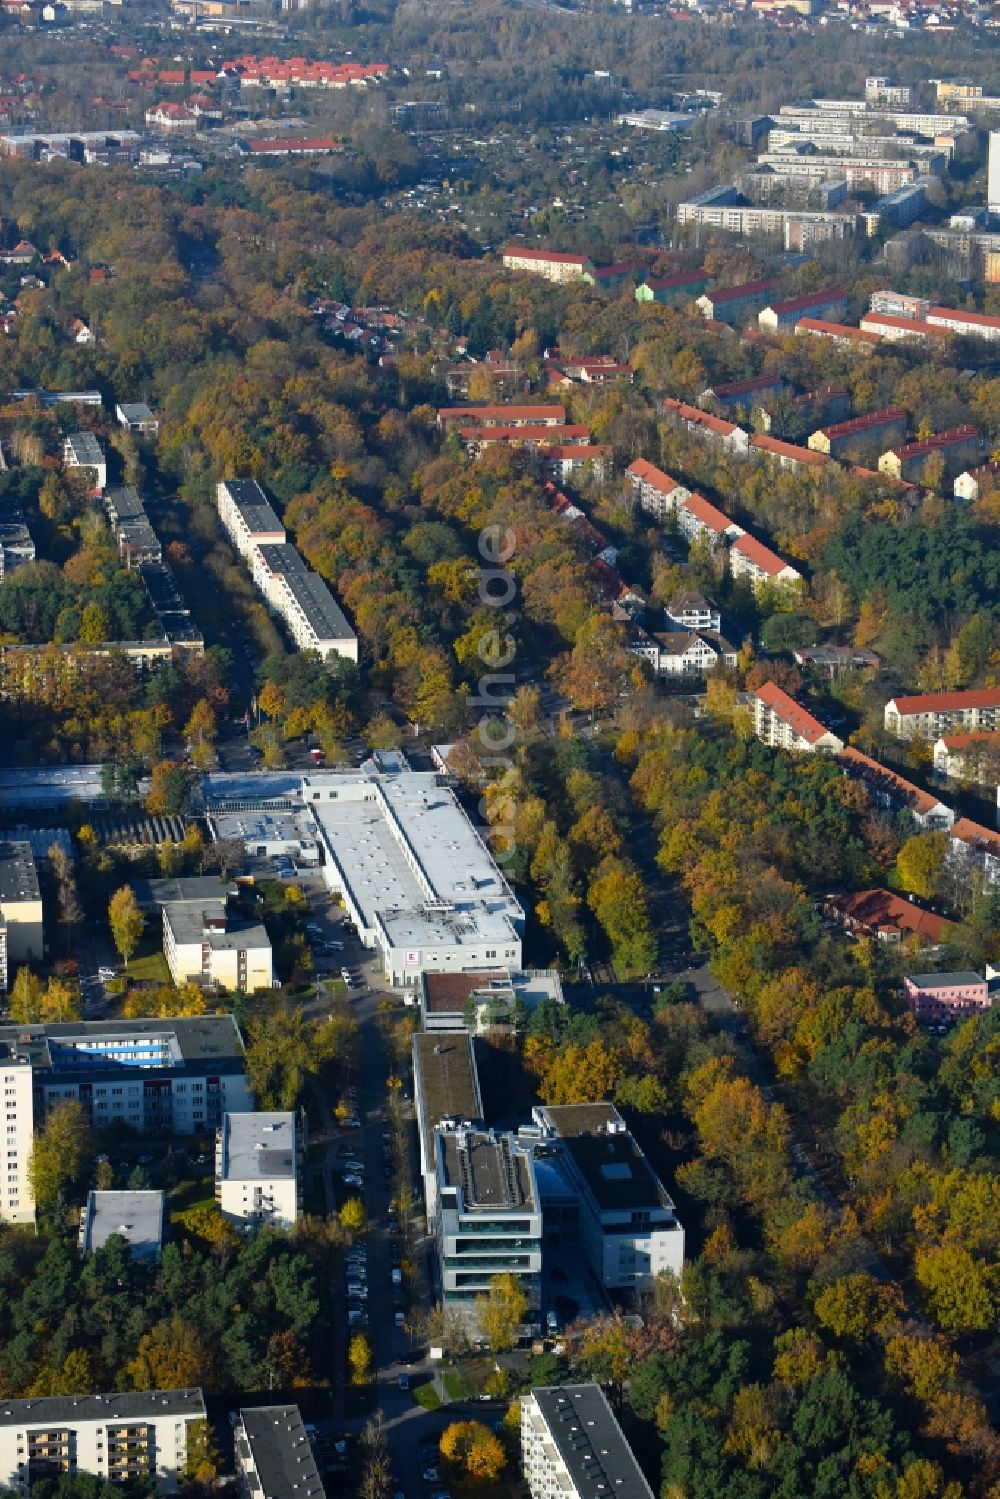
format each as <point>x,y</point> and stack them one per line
<point>151,968</point>
<point>427,1396</point>
<point>190,1194</point>
<point>455,1385</point>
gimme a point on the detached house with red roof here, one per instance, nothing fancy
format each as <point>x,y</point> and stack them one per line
<point>784,724</point>
<point>554,265</point>
<point>929,715</point>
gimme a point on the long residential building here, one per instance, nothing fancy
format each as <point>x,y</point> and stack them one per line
<point>955,448</point>
<point>782,316</point>
<point>929,715</point>
<point>861,437</point>
<point>975,850</point>
<point>974,757</point>
<point>573,1448</point>
<point>750,558</point>
<point>625,1219</point>
<point>734,304</point>
<point>483,414</point>
<point>298,596</point>
<point>713,428</point>
<point>969,324</point>
<point>893,792</point>
<point>784,724</point>
<point>658,494</point>
<point>554,265</point>
<point>124,1436</point>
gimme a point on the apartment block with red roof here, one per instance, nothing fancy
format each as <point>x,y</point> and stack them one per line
<point>786,454</point>
<point>887,917</point>
<point>894,792</point>
<point>750,558</point>
<point>734,304</point>
<point>554,265</point>
<point>974,849</point>
<point>482,414</point>
<point>698,517</point>
<point>896,329</point>
<point>929,715</point>
<point>714,428</point>
<point>838,333</point>
<point>861,437</point>
<point>956,447</point>
<point>971,324</point>
<point>784,724</point>
<point>783,316</point>
<point>973,757</point>
<point>658,493</point>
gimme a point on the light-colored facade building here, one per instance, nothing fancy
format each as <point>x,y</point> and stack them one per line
<point>555,265</point>
<point>930,715</point>
<point>573,1448</point>
<point>445,1094</point>
<point>683,653</point>
<point>203,943</point>
<point>975,482</point>
<point>946,996</point>
<point>692,611</point>
<point>861,437</point>
<point>627,1224</point>
<point>488,1218</point>
<point>247,517</point>
<point>782,316</point>
<point>974,757</point>
<point>274,1456</point>
<point>175,1076</point>
<point>993,173</point>
<point>82,450</point>
<point>136,1217</point>
<point>117,1437</point>
<point>749,558</point>
<point>894,792</point>
<point>698,518</point>
<point>483,1002</point>
<point>969,324</point>
<point>17,1197</point>
<point>727,435</point>
<point>137,418</point>
<point>258,1169</point>
<point>20,910</point>
<point>302,601</point>
<point>657,492</point>
<point>735,304</point>
<point>784,724</point>
<point>975,850</point>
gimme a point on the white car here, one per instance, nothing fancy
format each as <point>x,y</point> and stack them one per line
<point>104,974</point>
<point>354,1180</point>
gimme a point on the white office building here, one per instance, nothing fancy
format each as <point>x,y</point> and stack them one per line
<point>21,929</point>
<point>627,1225</point>
<point>247,517</point>
<point>207,944</point>
<point>489,1218</point>
<point>17,1200</point>
<point>136,1217</point>
<point>160,1077</point>
<point>993,173</point>
<point>258,1169</point>
<point>573,1448</point>
<point>82,450</point>
<point>446,1094</point>
<point>116,1437</point>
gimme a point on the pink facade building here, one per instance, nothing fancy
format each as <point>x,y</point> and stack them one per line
<point>942,996</point>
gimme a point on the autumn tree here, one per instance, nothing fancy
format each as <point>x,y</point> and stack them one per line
<point>126,920</point>
<point>598,666</point>
<point>171,1356</point>
<point>501,1311</point>
<point>359,1357</point>
<point>472,1454</point>
<point>920,863</point>
<point>59,1152</point>
<point>352,1215</point>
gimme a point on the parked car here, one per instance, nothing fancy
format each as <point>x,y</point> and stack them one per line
<point>403,1381</point>
<point>431,1475</point>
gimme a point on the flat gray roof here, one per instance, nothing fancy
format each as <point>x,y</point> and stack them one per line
<point>275,1439</point>
<point>125,1405</point>
<point>319,606</point>
<point>571,1119</point>
<point>200,1044</point>
<point>187,922</point>
<point>616,1172</point>
<point>252,503</point>
<point>591,1443</point>
<point>258,1145</point>
<point>85,448</point>
<point>137,1216</point>
<point>489,1171</point>
<point>18,876</point>
<point>945,980</point>
<point>197,888</point>
<point>446,1080</point>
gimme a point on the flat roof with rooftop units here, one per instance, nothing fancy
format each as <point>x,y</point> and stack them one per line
<point>591,1447</point>
<point>18,876</point>
<point>258,1145</point>
<point>488,1172</point>
<point>136,1216</point>
<point>274,1455</point>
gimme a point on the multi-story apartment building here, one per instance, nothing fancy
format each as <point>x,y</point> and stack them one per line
<point>969,324</point>
<point>974,850</point>
<point>682,286</point>
<point>929,715</point>
<point>861,437</point>
<point>21,929</point>
<point>210,946</point>
<point>682,653</point>
<point>698,519</point>
<point>783,723</point>
<point>750,558</point>
<point>625,1219</point>
<point>157,1076</point>
<point>714,429</point>
<point>855,171</point>
<point>302,601</point>
<point>735,304</point>
<point>488,1217</point>
<point>658,494</point>
<point>82,450</point>
<point>274,1457</point>
<point>785,454</point>
<point>896,329</point>
<point>911,461</point>
<point>16,544</point>
<point>136,1217</point>
<point>899,207</point>
<point>573,1448</point>
<point>723,208</point>
<point>899,304</point>
<point>119,1437</point>
<point>881,90</point>
<point>946,996</point>
<point>841,334</point>
<point>554,265</point>
<point>974,757</point>
<point>893,791</point>
<point>482,414</point>
<point>17,1198</point>
<point>258,1168</point>
<point>246,515</point>
<point>782,316</point>
<point>692,611</point>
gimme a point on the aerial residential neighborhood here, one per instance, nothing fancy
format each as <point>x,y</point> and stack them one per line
<point>500,781</point>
